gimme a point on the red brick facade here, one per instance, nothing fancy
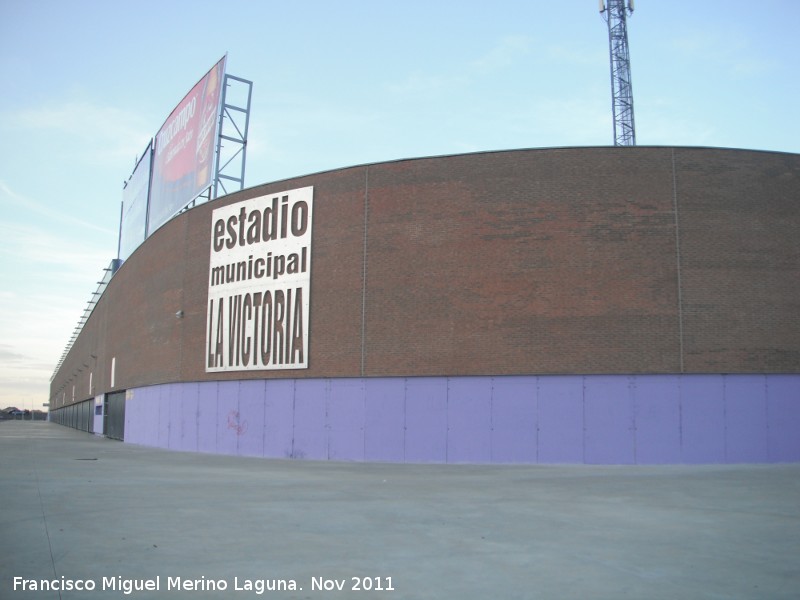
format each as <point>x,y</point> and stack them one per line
<point>581,260</point>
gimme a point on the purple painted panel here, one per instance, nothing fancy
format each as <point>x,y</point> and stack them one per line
<point>207,417</point>
<point>384,429</point>
<point>426,419</point>
<point>132,420</point>
<point>658,419</point>
<point>560,418</point>
<point>608,410</point>
<point>229,423</point>
<point>783,410</point>
<point>346,419</point>
<point>688,418</point>
<point>154,416</point>
<point>150,398</point>
<point>173,410</point>
<point>745,418</point>
<point>469,420</point>
<point>702,410</point>
<point>514,420</point>
<point>162,410</point>
<point>148,401</point>
<point>188,424</point>
<point>250,424</point>
<point>278,417</point>
<point>310,419</point>
<point>134,416</point>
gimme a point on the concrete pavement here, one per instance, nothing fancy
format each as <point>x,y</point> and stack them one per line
<point>90,512</point>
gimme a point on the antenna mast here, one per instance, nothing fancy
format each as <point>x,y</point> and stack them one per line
<point>614,13</point>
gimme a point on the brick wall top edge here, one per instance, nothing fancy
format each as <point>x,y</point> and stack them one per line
<point>292,181</point>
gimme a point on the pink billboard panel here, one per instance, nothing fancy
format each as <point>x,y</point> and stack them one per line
<point>184,149</point>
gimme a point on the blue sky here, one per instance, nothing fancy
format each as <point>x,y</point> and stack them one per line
<point>85,83</point>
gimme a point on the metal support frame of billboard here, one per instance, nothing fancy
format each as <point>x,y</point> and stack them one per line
<point>234,124</point>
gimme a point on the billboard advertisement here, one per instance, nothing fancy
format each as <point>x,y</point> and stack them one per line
<point>132,229</point>
<point>183,161</point>
<point>259,283</point>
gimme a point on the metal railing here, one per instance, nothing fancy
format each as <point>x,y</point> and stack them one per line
<point>108,273</point>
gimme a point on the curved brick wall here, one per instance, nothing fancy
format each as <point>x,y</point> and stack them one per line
<point>579,262</point>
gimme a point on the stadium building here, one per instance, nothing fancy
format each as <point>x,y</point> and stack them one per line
<point>599,305</point>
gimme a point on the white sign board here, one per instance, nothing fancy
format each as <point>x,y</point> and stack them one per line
<point>259,283</point>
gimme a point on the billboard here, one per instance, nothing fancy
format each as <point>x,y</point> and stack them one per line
<point>132,228</point>
<point>259,283</point>
<point>183,161</point>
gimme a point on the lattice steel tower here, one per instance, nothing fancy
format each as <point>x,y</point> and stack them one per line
<point>614,12</point>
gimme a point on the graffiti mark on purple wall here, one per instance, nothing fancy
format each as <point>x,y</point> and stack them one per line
<point>235,423</point>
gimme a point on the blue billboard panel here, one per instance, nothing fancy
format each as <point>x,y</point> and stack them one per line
<point>132,230</point>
